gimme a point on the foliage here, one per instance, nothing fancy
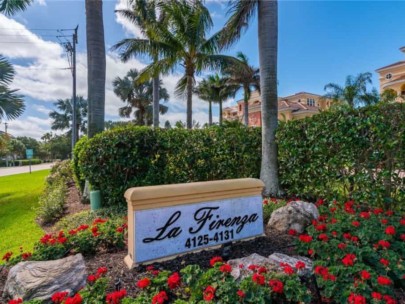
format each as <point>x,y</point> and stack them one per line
<point>16,148</point>
<point>21,162</point>
<point>78,177</point>
<point>357,153</point>
<point>57,146</point>
<point>138,156</point>
<point>19,196</point>
<point>269,205</point>
<point>358,250</point>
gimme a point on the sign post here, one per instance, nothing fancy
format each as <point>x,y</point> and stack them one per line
<point>169,220</point>
<point>29,153</point>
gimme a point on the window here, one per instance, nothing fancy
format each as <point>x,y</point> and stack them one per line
<point>311,102</point>
<point>240,107</point>
<point>388,76</point>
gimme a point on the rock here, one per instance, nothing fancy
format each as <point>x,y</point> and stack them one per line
<point>240,266</point>
<point>296,215</point>
<point>278,258</point>
<point>40,280</point>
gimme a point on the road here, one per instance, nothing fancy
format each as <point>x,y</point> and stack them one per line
<point>24,169</point>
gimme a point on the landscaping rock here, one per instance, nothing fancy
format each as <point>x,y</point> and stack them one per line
<point>296,215</point>
<point>240,266</point>
<point>279,258</point>
<point>40,280</point>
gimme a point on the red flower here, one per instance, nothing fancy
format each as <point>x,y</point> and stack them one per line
<point>77,299</point>
<point>101,271</point>
<point>365,215</point>
<point>62,240</point>
<point>116,296</point>
<point>356,299</point>
<point>356,223</point>
<point>390,230</point>
<point>59,297</point>
<point>15,301</point>
<point>347,236</point>
<point>342,246</point>
<point>119,229</point>
<point>389,300</point>
<point>323,237</point>
<point>348,259</point>
<point>45,238</point>
<point>265,201</point>
<point>277,286</point>
<point>258,279</point>
<point>333,221</point>
<point>355,239</point>
<point>321,270</point>
<point>300,265</point>
<point>174,280</point>
<point>332,210</point>
<point>311,252</point>
<point>384,221</point>
<point>292,232</point>
<point>377,211</point>
<point>402,221</point>
<point>215,260</point>
<point>319,202</point>
<point>383,280</point>
<point>365,275</point>
<point>384,262</point>
<point>160,298</point>
<point>99,221</point>
<point>402,237</point>
<point>376,295</point>
<point>253,267</point>
<point>321,227</point>
<point>389,212</point>
<point>143,283</point>
<point>262,270</point>
<point>94,231</point>
<point>305,238</point>
<point>334,233</point>
<point>73,232</point>
<point>384,244</point>
<point>288,270</point>
<point>82,227</point>
<point>241,294</point>
<point>226,268</point>
<point>92,278</point>
<point>7,256</point>
<point>209,293</point>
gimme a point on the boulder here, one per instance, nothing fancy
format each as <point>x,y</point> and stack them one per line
<point>296,215</point>
<point>281,258</point>
<point>240,267</point>
<point>40,280</point>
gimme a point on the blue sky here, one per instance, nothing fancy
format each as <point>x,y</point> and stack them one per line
<point>319,42</point>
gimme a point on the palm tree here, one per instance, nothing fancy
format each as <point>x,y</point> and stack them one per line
<point>10,7</point>
<point>242,11</point>
<point>63,120</point>
<point>139,96</point>
<point>143,14</point>
<point>354,92</point>
<point>11,104</point>
<point>245,77</point>
<point>181,42</point>
<point>204,92</point>
<point>96,66</point>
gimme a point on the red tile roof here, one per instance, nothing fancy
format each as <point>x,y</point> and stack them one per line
<point>391,65</point>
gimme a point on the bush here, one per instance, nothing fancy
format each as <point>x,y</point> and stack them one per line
<point>269,205</point>
<point>351,152</point>
<point>20,162</point>
<point>77,174</point>
<point>116,160</point>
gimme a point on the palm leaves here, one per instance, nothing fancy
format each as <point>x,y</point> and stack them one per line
<point>11,104</point>
<point>138,97</point>
<point>10,7</point>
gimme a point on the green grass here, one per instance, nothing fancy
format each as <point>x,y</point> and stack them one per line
<point>18,195</point>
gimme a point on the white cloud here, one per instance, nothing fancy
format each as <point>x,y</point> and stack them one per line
<point>41,109</point>
<point>30,126</point>
<point>41,2</point>
<point>128,26</point>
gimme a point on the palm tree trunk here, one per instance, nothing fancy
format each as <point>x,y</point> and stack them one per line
<point>268,36</point>
<point>220,112</point>
<point>210,113</point>
<point>246,109</point>
<point>156,102</point>
<point>189,102</point>
<point>96,66</point>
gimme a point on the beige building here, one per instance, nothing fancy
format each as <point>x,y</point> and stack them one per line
<point>393,77</point>
<point>297,106</point>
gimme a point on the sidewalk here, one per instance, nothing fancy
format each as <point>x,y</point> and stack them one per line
<point>24,169</point>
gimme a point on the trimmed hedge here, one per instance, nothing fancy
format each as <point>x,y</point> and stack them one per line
<point>116,160</point>
<point>21,162</point>
<point>336,154</point>
<point>357,153</point>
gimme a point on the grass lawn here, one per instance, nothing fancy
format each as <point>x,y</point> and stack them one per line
<point>18,195</point>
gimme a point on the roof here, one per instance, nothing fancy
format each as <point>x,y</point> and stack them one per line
<point>391,65</point>
<point>301,93</point>
<point>295,107</point>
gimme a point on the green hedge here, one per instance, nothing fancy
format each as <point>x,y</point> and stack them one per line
<point>354,153</point>
<point>78,175</point>
<point>139,156</point>
<point>21,162</point>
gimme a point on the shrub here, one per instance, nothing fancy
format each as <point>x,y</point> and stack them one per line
<point>116,160</point>
<point>269,205</point>
<point>77,174</point>
<point>351,152</point>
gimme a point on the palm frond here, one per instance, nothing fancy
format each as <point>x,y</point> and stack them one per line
<point>10,7</point>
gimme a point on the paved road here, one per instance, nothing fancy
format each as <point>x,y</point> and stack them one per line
<point>24,169</point>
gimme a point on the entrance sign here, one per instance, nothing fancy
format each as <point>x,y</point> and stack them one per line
<point>169,220</point>
<point>29,153</point>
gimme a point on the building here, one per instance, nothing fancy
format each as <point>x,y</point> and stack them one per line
<point>393,77</point>
<point>297,106</point>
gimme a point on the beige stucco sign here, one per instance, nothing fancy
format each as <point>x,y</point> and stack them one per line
<point>169,220</point>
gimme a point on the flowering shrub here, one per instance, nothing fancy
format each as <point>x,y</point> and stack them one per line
<point>358,252</point>
<point>102,234</point>
<point>269,205</point>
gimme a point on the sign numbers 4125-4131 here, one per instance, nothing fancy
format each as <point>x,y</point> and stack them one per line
<point>205,239</point>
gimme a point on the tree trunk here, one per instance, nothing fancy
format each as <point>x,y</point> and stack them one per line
<point>220,113</point>
<point>189,102</point>
<point>210,113</point>
<point>268,36</point>
<point>156,102</point>
<point>246,108</point>
<point>96,66</point>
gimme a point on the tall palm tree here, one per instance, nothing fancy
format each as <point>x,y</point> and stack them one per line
<point>181,42</point>
<point>354,92</point>
<point>10,7</point>
<point>138,96</point>
<point>242,12</point>
<point>96,66</point>
<point>204,92</point>
<point>63,118</point>
<point>245,77</point>
<point>143,14</point>
<point>11,104</point>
